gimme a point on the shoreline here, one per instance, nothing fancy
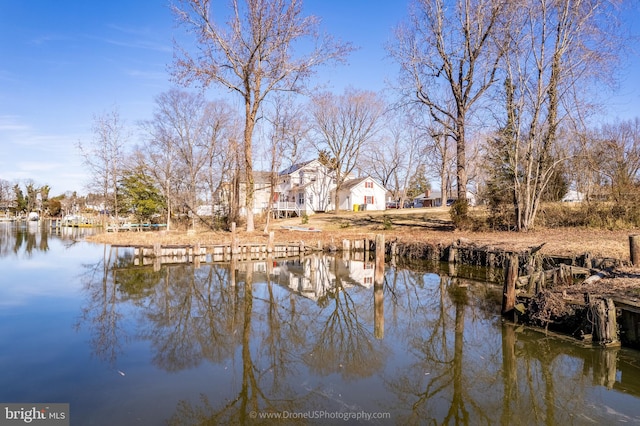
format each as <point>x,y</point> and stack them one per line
<point>557,242</point>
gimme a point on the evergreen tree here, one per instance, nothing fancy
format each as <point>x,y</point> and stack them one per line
<point>139,196</point>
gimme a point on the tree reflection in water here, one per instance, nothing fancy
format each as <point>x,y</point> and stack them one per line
<point>303,335</point>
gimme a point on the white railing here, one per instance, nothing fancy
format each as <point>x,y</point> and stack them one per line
<point>285,206</point>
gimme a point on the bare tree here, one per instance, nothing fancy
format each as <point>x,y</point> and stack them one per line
<point>343,125</point>
<point>613,153</point>
<point>252,55</point>
<point>438,150</point>
<point>287,140</point>
<point>6,195</point>
<point>395,160</point>
<point>556,47</point>
<point>105,156</point>
<point>186,138</point>
<point>448,60</point>
<point>221,127</point>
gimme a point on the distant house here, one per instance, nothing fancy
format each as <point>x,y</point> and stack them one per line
<point>362,194</point>
<point>428,199</point>
<point>304,188</point>
<point>435,199</point>
<point>573,197</point>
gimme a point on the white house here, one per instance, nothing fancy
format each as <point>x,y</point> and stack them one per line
<point>573,196</point>
<point>304,188</point>
<point>361,194</point>
<point>309,188</point>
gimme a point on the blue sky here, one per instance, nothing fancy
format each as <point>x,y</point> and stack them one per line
<point>64,62</point>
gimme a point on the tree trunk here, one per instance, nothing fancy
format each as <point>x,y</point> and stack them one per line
<point>461,157</point>
<point>248,163</point>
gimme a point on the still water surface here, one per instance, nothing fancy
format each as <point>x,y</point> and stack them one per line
<point>311,340</point>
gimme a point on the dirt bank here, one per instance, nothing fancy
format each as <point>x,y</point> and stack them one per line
<point>405,225</point>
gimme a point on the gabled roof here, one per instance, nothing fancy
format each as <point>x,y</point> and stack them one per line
<point>352,183</point>
<point>348,184</point>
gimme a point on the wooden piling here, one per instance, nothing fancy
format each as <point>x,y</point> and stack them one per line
<point>509,289</point>
<point>378,296</point>
<point>379,271</point>
<point>270,242</point>
<point>605,325</point>
<point>453,251</point>
<point>378,311</point>
<point>634,249</point>
<point>234,239</point>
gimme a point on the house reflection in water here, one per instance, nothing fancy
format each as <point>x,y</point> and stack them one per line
<point>315,277</point>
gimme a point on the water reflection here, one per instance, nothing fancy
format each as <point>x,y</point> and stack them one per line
<point>318,334</point>
<point>220,342</point>
<point>27,237</point>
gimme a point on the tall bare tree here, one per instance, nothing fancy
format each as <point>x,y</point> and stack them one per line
<point>186,137</point>
<point>556,47</point>
<point>343,125</point>
<point>105,156</point>
<point>252,54</point>
<point>449,59</point>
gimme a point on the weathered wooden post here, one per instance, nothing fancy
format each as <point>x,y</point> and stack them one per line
<point>196,256</point>
<point>378,285</point>
<point>346,249</point>
<point>270,242</point>
<point>233,270</point>
<point>453,251</point>
<point>234,240</point>
<point>509,289</point>
<point>605,325</point>
<point>394,253</point>
<point>634,249</point>
<point>379,271</point>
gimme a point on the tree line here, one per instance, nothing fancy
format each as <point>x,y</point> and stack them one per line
<point>494,97</point>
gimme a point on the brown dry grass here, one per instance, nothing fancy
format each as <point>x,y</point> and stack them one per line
<point>406,225</point>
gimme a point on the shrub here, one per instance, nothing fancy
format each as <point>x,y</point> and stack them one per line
<point>386,223</point>
<point>459,213</point>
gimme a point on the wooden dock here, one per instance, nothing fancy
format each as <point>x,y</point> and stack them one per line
<point>171,254</point>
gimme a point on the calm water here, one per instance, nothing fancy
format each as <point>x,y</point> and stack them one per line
<point>311,341</point>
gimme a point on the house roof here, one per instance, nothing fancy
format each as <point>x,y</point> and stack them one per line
<point>348,184</point>
<point>434,195</point>
<point>293,168</point>
<point>352,183</point>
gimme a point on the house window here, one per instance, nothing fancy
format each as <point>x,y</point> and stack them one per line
<point>368,184</point>
<point>368,199</point>
<point>311,199</point>
<point>368,280</point>
<point>301,198</point>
